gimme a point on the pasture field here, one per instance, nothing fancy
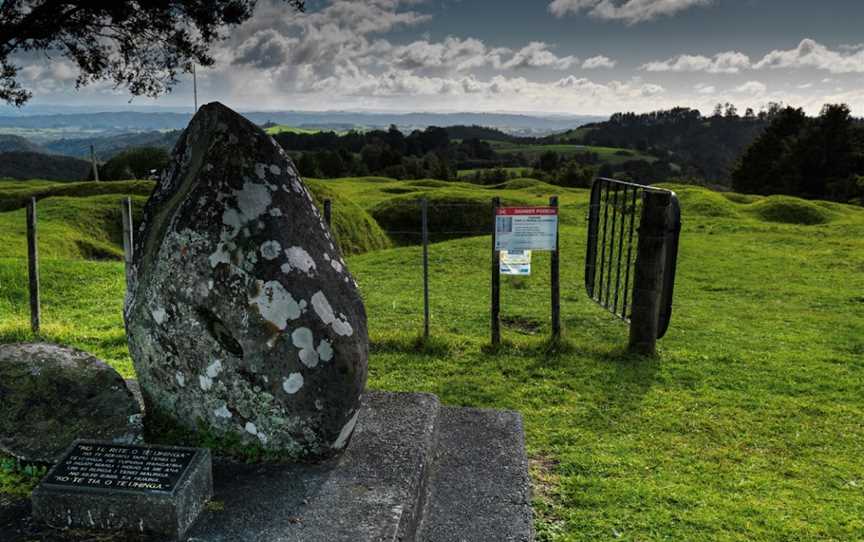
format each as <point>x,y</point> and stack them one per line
<point>283,128</point>
<point>749,425</point>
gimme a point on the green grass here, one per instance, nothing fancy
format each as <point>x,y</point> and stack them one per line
<point>748,426</point>
<point>283,128</point>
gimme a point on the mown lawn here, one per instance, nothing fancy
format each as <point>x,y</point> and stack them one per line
<point>748,426</point>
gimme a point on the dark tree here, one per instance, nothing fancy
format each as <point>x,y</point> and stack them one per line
<point>137,44</point>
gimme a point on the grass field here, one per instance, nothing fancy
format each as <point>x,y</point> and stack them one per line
<point>283,128</point>
<point>748,426</point>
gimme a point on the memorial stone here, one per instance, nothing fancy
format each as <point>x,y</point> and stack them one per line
<point>242,318</point>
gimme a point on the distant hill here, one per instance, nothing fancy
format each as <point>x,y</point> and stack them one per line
<point>53,126</point>
<point>13,143</point>
<point>34,165</point>
<point>479,132</point>
<point>706,147</point>
<point>109,146</point>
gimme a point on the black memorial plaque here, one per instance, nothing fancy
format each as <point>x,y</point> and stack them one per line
<point>122,467</point>
<point>159,490</point>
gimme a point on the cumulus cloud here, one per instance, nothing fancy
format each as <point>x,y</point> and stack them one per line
<point>753,88</point>
<point>598,61</point>
<point>811,54</point>
<point>727,62</point>
<point>629,11</point>
<point>537,55</point>
<point>704,88</point>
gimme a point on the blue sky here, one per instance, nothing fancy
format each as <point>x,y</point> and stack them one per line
<point>541,56</point>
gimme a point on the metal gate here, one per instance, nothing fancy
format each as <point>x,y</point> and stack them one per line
<point>615,222</point>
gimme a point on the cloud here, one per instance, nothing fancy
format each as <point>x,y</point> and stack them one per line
<point>703,88</point>
<point>537,55</point>
<point>598,61</point>
<point>629,11</point>
<point>753,88</point>
<point>811,54</point>
<point>728,62</point>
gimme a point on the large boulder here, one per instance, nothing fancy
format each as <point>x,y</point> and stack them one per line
<point>51,395</point>
<point>242,318</point>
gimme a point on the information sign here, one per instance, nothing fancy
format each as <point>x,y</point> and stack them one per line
<point>515,263</point>
<point>526,228</point>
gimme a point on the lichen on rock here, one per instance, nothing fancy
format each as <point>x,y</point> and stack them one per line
<point>237,321</point>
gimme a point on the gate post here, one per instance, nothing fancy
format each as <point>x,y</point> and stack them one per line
<point>649,272</point>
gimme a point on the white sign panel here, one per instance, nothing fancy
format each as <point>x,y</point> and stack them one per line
<point>526,228</point>
<point>515,263</point>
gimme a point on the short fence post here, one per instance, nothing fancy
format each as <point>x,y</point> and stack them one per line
<point>496,279</point>
<point>424,218</point>
<point>33,267</point>
<point>128,245</point>
<point>93,163</point>
<point>556,280</point>
<point>648,277</point>
<point>328,211</point>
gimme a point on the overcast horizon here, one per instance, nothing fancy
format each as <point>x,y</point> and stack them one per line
<point>543,57</point>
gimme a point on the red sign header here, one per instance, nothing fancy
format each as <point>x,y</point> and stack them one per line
<point>529,211</point>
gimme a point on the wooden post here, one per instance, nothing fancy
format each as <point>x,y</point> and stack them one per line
<point>328,211</point>
<point>424,218</point>
<point>128,245</point>
<point>93,161</point>
<point>650,268</point>
<point>496,279</point>
<point>33,267</point>
<point>556,280</point>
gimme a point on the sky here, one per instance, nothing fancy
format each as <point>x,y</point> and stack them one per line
<point>585,57</point>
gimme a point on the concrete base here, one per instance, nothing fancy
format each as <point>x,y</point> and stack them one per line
<point>414,471</point>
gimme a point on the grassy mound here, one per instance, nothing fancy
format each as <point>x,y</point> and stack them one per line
<point>697,201</point>
<point>355,230</point>
<point>452,214</point>
<point>744,199</point>
<point>16,194</point>
<point>71,228</point>
<point>789,210</point>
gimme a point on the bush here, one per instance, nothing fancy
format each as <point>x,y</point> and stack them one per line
<point>135,163</point>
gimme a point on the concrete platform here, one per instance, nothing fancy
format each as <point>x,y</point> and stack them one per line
<point>414,471</point>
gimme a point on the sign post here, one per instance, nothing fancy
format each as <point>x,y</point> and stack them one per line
<point>496,277</point>
<point>518,230</point>
<point>555,281</point>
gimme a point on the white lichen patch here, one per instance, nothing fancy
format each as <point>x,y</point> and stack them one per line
<point>304,340</point>
<point>275,170</point>
<point>293,383</point>
<point>326,257</point>
<point>270,250</point>
<point>220,256</point>
<point>253,200</point>
<point>325,313</point>
<point>336,265</point>
<point>251,429</point>
<point>159,315</point>
<point>346,432</point>
<point>275,304</point>
<point>205,382</point>
<point>299,260</point>
<point>325,350</point>
<point>180,378</point>
<point>260,171</point>
<point>214,369</point>
<point>275,211</point>
<point>223,412</point>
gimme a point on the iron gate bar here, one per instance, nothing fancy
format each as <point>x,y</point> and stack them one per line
<point>606,236</point>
